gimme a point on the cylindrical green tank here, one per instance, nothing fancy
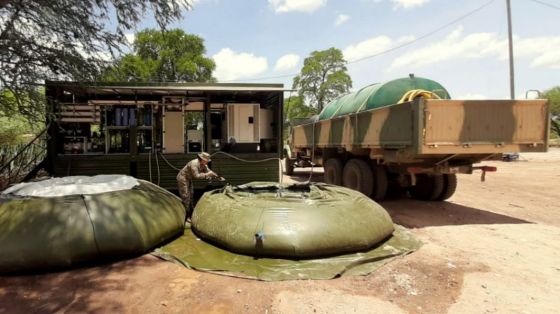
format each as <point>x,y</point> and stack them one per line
<point>379,95</point>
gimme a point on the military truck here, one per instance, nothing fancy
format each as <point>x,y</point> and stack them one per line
<point>408,135</point>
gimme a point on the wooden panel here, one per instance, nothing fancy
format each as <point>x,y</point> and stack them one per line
<point>496,121</point>
<point>298,135</point>
<point>239,127</point>
<point>388,126</point>
<point>79,113</point>
<point>485,126</point>
<point>320,134</point>
<point>266,118</point>
<point>173,138</point>
<point>531,122</point>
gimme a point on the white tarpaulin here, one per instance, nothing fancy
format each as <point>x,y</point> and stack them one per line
<point>73,185</point>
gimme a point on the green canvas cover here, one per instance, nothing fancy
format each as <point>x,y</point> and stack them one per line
<point>39,233</point>
<point>297,221</point>
<point>379,95</point>
<point>194,253</point>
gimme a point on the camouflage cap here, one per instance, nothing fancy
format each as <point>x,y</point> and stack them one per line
<point>204,156</point>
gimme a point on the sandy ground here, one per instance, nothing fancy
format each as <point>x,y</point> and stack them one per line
<point>493,248</point>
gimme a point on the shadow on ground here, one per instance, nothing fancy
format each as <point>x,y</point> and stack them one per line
<point>418,214</point>
<point>74,291</point>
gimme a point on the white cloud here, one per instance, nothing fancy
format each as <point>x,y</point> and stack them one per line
<point>341,18</point>
<point>283,6</point>
<point>286,62</point>
<point>372,46</point>
<point>231,65</point>
<point>454,46</point>
<point>408,4</point>
<point>471,96</point>
<point>544,51</point>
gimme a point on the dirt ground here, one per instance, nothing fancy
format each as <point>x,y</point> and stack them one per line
<point>494,247</point>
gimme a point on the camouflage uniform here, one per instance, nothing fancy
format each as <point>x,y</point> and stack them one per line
<point>193,170</point>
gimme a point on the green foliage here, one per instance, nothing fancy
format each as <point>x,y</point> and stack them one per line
<point>294,108</point>
<point>553,96</point>
<point>171,55</point>
<point>16,129</point>
<point>323,78</point>
<point>65,39</point>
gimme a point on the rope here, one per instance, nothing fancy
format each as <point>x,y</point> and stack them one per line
<point>231,156</point>
<point>168,163</point>
<point>150,165</point>
<point>158,176</point>
<point>414,93</point>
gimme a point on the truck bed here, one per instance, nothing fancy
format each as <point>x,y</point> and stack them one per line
<point>435,127</point>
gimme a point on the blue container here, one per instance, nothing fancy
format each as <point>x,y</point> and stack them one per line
<point>148,117</point>
<point>132,116</point>
<point>124,116</point>
<point>118,116</point>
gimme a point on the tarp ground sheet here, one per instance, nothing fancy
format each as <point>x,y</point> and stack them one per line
<point>194,253</point>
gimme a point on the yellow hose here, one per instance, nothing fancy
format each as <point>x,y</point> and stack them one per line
<point>412,94</point>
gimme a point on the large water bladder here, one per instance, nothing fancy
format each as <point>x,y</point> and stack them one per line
<point>297,221</point>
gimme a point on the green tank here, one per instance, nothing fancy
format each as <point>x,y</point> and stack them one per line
<point>379,95</point>
<point>297,221</point>
<point>53,224</point>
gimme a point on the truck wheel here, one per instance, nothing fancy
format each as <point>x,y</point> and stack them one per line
<point>288,166</point>
<point>357,175</point>
<point>380,184</point>
<point>449,186</point>
<point>333,171</point>
<point>427,188</point>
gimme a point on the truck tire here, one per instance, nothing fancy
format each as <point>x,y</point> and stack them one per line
<point>288,166</point>
<point>428,187</point>
<point>449,186</point>
<point>333,171</point>
<point>380,184</point>
<point>357,175</point>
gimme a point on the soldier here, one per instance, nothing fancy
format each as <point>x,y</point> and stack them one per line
<point>195,169</point>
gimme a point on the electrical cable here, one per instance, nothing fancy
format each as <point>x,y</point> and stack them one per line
<point>436,30</point>
<point>158,174</point>
<point>150,165</point>
<point>236,158</point>
<point>546,4</point>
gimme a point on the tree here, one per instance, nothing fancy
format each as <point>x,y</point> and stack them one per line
<point>323,78</point>
<point>14,126</point>
<point>65,39</point>
<point>171,55</point>
<point>553,96</point>
<point>294,108</point>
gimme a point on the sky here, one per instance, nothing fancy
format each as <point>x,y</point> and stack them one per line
<point>266,41</point>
